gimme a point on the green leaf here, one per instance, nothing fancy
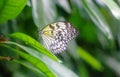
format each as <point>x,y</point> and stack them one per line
<point>114,8</point>
<point>1,4</point>
<point>9,9</point>
<point>44,12</point>
<point>29,66</point>
<point>97,18</point>
<point>58,69</point>
<point>36,62</point>
<point>83,71</point>
<point>35,44</point>
<point>65,5</point>
<point>112,63</point>
<point>89,59</point>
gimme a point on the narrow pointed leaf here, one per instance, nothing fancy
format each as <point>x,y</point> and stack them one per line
<point>90,59</point>
<point>114,8</point>
<point>31,67</point>
<point>97,18</point>
<point>36,62</point>
<point>44,12</point>
<point>65,5</point>
<point>58,69</point>
<point>35,44</point>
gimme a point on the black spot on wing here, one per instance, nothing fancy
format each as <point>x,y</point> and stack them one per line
<point>51,26</point>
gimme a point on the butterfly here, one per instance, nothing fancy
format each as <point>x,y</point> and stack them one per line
<point>56,36</point>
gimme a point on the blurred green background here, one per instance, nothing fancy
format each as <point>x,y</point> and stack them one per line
<point>94,53</point>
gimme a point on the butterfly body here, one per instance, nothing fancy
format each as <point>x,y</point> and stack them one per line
<point>56,36</point>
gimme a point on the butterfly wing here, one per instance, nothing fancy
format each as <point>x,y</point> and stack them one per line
<point>60,35</point>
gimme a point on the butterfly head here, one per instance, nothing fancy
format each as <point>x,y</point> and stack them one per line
<point>47,31</point>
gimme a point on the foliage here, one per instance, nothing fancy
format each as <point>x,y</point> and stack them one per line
<point>94,53</point>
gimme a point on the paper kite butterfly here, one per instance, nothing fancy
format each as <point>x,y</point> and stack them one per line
<point>56,36</point>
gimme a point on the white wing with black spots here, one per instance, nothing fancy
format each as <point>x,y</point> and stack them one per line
<point>56,36</point>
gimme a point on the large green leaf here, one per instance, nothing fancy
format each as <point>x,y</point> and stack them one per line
<point>9,9</point>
